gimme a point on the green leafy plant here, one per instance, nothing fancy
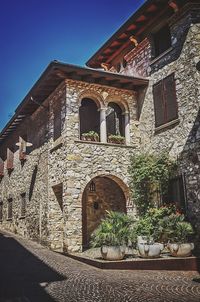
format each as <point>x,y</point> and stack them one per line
<point>114,230</point>
<point>182,232</point>
<point>90,136</point>
<point>116,139</point>
<point>150,176</point>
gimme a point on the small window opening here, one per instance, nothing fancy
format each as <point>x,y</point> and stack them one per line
<point>58,191</point>
<point>10,159</point>
<point>162,40</point>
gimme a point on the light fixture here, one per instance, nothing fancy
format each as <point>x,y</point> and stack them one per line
<point>92,186</point>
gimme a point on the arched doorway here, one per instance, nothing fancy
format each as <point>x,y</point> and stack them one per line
<point>101,194</point>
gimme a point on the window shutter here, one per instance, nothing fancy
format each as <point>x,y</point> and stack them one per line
<point>1,167</point>
<point>158,104</point>
<point>10,159</point>
<point>170,98</point>
<point>22,149</point>
<point>57,121</point>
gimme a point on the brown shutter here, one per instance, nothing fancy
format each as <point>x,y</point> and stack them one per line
<point>22,149</point>
<point>57,121</point>
<point>10,159</point>
<point>170,98</point>
<point>1,167</point>
<point>158,104</point>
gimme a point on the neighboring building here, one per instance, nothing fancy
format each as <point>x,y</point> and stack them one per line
<point>56,185</point>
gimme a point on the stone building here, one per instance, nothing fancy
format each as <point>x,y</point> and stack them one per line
<point>56,184</point>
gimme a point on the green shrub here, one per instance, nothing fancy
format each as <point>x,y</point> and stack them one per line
<point>114,230</point>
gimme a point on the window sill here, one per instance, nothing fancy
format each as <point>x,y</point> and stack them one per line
<point>167,125</point>
<point>105,144</point>
<point>161,55</point>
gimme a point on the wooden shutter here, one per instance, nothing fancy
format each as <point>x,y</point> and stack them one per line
<point>10,159</point>
<point>57,121</point>
<point>158,104</point>
<point>170,98</point>
<point>23,205</point>
<point>1,167</point>
<point>22,149</point>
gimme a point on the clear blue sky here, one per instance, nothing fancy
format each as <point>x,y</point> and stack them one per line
<point>35,32</point>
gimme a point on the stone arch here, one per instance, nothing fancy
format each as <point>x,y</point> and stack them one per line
<point>121,102</point>
<point>96,97</point>
<point>103,192</point>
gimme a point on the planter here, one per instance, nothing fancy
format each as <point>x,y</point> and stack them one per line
<point>113,252</point>
<point>180,249</point>
<point>150,250</point>
<point>119,141</point>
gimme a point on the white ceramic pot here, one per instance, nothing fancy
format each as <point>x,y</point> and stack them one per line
<point>150,250</point>
<point>113,252</point>
<point>180,249</point>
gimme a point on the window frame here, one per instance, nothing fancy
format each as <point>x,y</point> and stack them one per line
<point>166,118</point>
<point>156,52</point>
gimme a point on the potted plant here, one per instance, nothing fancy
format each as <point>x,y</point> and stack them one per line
<point>116,139</point>
<point>90,136</point>
<point>112,235</point>
<point>147,247</point>
<point>179,245</point>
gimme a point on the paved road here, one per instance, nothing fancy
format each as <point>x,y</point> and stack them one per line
<point>30,272</point>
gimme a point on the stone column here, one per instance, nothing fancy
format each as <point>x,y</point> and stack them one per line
<point>127,127</point>
<point>103,131</point>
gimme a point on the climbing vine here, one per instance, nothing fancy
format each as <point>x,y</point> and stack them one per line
<point>150,174</point>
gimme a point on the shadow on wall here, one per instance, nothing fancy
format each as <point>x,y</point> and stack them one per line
<point>33,179</point>
<point>22,274</point>
<point>190,164</point>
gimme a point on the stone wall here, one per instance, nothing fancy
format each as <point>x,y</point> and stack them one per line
<point>74,162</point>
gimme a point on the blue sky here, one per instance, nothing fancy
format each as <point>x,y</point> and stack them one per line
<point>35,32</point>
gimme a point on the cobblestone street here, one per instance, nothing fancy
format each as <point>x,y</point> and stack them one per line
<point>30,272</point>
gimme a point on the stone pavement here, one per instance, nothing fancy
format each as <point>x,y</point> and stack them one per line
<point>30,272</point>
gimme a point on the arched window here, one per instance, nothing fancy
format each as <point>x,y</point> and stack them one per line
<point>89,117</point>
<point>114,120</point>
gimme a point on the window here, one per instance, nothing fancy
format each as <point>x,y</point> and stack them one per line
<point>161,40</point>
<point>176,193</point>
<point>165,103</point>
<point>114,120</point>
<point>23,205</point>
<point>58,191</point>
<point>89,117</point>
<point>1,211</point>
<point>22,148</point>
<point>10,210</point>
<point>10,159</point>
<point>1,168</point>
<point>57,120</point>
